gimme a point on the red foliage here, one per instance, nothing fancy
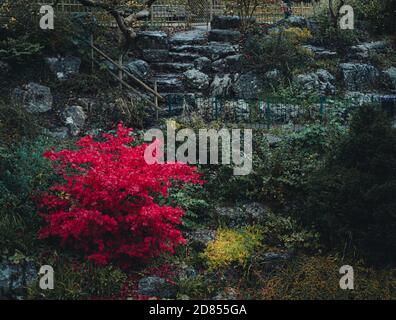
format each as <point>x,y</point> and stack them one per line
<point>105,206</point>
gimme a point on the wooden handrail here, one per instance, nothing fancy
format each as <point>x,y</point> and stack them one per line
<point>145,86</point>
<point>127,85</point>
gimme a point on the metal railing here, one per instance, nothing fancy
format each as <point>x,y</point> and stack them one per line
<point>272,111</point>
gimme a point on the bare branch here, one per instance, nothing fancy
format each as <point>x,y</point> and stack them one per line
<point>118,16</point>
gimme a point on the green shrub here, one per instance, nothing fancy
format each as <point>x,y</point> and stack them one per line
<point>279,50</point>
<point>284,233</point>
<point>24,173</point>
<point>191,199</point>
<point>16,123</point>
<point>24,38</point>
<point>332,36</point>
<point>351,199</point>
<point>279,173</point>
<point>377,15</point>
<point>73,280</point>
<point>19,49</point>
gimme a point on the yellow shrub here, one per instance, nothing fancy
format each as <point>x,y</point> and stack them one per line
<point>298,35</point>
<point>317,278</point>
<point>232,246</point>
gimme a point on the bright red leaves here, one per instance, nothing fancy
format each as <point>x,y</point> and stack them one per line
<point>105,206</point>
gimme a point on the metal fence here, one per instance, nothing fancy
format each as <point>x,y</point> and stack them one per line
<point>185,12</point>
<point>189,12</point>
<point>271,111</point>
<point>271,13</point>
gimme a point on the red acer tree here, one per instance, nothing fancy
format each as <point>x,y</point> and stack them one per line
<point>105,205</point>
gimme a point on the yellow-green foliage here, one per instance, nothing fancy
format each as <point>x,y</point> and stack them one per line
<point>298,35</point>
<point>295,35</point>
<point>232,246</point>
<point>317,278</point>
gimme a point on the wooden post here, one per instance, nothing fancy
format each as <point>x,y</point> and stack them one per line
<point>92,53</point>
<point>120,73</point>
<point>210,13</point>
<point>120,62</point>
<point>302,9</point>
<point>156,100</point>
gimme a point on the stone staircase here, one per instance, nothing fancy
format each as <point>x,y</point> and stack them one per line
<point>183,65</point>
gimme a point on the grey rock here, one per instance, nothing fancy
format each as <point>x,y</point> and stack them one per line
<point>319,82</point>
<point>359,76</point>
<point>74,119</point>
<point>224,35</point>
<point>232,63</point>
<point>245,214</point>
<point>60,133</point>
<point>186,272</point>
<point>171,67</point>
<point>255,211</point>
<point>275,256</point>
<point>226,22</point>
<point>151,40</point>
<point>155,55</point>
<point>194,36</point>
<point>196,79</point>
<point>138,68</point>
<point>34,97</point>
<point>14,278</point>
<point>169,82</point>
<point>364,50</point>
<point>202,50</point>
<point>273,140</point>
<point>156,287</point>
<point>248,86</point>
<point>183,56</point>
<point>357,99</point>
<point>296,21</point>
<point>273,76</point>
<point>202,64</point>
<point>221,86</point>
<point>201,237</point>
<point>390,77</point>
<point>321,53</point>
<point>63,68</point>
<point>217,50</point>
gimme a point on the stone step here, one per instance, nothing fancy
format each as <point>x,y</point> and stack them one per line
<point>155,55</point>
<point>222,35</point>
<point>151,40</point>
<point>214,50</point>
<point>194,36</point>
<point>192,49</point>
<point>168,82</point>
<point>183,56</point>
<point>171,67</point>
